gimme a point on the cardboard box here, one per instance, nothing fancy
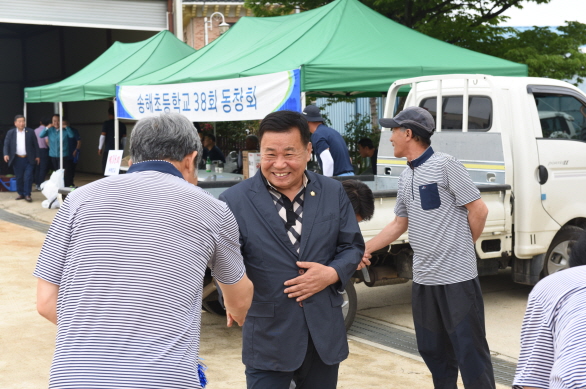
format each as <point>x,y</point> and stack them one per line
<point>250,163</point>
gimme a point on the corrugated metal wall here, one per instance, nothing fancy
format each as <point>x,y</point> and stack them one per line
<point>147,15</point>
<point>341,113</point>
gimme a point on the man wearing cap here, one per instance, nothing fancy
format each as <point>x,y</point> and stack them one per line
<point>445,215</point>
<point>328,144</point>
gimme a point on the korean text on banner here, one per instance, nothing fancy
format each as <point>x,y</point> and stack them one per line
<point>246,98</point>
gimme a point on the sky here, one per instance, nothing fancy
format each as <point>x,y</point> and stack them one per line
<point>555,13</point>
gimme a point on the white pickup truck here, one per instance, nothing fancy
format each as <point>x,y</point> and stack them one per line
<point>523,140</point>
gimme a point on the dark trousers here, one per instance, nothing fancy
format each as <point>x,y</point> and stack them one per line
<point>449,326</point>
<point>23,171</point>
<point>43,167</point>
<point>313,374</point>
<point>69,169</point>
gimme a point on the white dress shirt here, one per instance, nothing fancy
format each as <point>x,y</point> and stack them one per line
<point>20,142</point>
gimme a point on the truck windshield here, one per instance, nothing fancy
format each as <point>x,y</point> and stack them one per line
<point>479,112</point>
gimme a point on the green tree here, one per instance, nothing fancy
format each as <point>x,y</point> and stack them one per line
<point>473,24</point>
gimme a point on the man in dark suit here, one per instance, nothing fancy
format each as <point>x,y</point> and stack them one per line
<point>21,150</point>
<point>301,244</point>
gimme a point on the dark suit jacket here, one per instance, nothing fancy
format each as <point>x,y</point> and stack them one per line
<point>275,334</point>
<point>31,144</point>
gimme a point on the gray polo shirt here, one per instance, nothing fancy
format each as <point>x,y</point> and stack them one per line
<point>433,192</point>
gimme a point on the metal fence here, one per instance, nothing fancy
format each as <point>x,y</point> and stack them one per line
<point>341,113</point>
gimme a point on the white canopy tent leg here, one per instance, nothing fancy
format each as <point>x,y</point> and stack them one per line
<point>116,127</point>
<point>24,111</point>
<point>61,135</point>
<point>302,101</point>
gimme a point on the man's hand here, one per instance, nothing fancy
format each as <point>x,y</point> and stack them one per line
<point>38,161</point>
<point>316,278</point>
<point>99,151</point>
<point>74,153</point>
<point>365,261</point>
<point>230,319</point>
<point>6,158</point>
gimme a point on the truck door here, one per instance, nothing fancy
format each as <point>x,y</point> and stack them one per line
<point>562,151</point>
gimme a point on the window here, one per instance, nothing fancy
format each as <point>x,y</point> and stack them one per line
<point>561,116</point>
<point>479,112</point>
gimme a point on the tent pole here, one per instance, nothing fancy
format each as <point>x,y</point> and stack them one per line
<point>302,101</point>
<point>24,110</point>
<point>116,126</point>
<point>438,108</point>
<point>60,135</point>
<point>465,107</point>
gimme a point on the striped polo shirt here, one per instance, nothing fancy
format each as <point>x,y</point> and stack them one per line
<point>553,336</point>
<point>129,254</point>
<point>290,211</point>
<point>433,192</point>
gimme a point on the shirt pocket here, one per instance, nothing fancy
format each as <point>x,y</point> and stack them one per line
<point>429,195</point>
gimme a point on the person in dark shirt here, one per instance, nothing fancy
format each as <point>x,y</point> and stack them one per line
<point>214,152</point>
<point>74,152</point>
<point>107,137</point>
<point>367,150</point>
<point>328,145</point>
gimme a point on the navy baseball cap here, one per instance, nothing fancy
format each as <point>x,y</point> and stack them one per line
<point>417,119</point>
<point>312,114</point>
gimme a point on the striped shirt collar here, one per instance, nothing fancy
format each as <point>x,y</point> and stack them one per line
<point>421,159</point>
<point>290,211</point>
<point>158,166</point>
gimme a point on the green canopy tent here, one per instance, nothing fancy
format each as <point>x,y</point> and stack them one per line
<point>343,48</point>
<point>121,61</point>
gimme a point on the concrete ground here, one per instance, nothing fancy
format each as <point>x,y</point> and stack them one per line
<point>27,340</point>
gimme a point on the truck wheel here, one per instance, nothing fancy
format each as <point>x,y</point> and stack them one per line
<point>212,305</point>
<point>349,305</point>
<point>558,253</point>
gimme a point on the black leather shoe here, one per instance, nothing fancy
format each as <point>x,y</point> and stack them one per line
<point>20,198</point>
<point>28,198</point>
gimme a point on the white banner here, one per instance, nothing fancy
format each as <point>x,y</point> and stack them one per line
<point>246,98</point>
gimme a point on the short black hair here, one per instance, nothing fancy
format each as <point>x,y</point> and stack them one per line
<point>285,121</point>
<point>56,114</point>
<point>45,120</point>
<point>366,142</point>
<point>211,136</point>
<point>111,111</point>
<point>18,117</point>
<point>361,197</point>
<point>578,253</point>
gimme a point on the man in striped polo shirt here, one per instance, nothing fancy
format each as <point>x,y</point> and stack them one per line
<point>553,338</point>
<point>121,270</point>
<point>445,215</point>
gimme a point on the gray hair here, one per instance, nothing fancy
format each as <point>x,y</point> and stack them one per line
<point>169,136</point>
